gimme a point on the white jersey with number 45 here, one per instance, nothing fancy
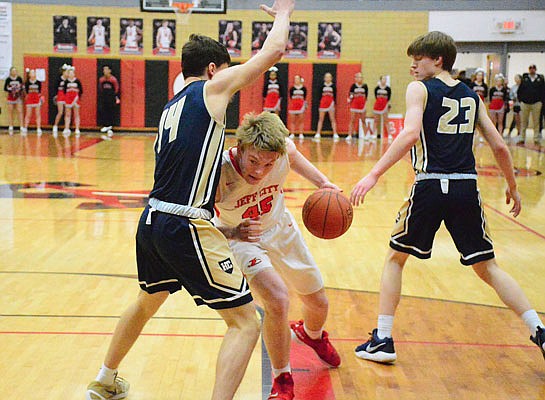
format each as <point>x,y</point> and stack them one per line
<point>238,200</point>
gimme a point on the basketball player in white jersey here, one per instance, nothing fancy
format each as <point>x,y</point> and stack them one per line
<point>132,32</point>
<point>177,246</point>
<point>267,243</point>
<point>98,34</point>
<point>164,37</point>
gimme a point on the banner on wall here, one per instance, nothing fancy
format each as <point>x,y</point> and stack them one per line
<point>230,34</point>
<point>65,34</point>
<point>98,35</point>
<point>297,41</point>
<point>164,37</point>
<point>260,31</point>
<point>130,32</point>
<point>329,40</point>
<point>6,40</point>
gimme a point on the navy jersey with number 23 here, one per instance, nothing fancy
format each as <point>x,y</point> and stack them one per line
<point>448,126</point>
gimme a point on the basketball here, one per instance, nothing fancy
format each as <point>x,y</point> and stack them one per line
<point>327,213</point>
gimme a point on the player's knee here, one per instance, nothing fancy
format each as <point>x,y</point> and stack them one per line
<point>148,304</point>
<point>396,257</point>
<point>278,303</point>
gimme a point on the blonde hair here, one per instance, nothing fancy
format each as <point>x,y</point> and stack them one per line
<point>265,132</point>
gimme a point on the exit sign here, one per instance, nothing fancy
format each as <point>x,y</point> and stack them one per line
<point>509,26</point>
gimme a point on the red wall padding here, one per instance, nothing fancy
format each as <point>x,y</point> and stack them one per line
<point>133,109</point>
<point>305,70</point>
<point>345,79</point>
<point>34,63</point>
<point>251,98</point>
<point>86,72</point>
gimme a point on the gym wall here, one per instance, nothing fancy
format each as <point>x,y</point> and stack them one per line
<point>375,40</point>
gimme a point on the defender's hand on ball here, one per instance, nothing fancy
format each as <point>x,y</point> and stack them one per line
<point>362,187</point>
<point>249,230</point>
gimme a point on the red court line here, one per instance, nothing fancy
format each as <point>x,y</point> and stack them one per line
<point>513,220</point>
<point>182,335</point>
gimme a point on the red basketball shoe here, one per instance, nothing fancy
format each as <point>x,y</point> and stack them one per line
<point>322,347</point>
<point>282,387</point>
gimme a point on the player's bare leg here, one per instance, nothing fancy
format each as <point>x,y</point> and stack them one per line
<point>236,349</point>
<point>390,285</point>
<point>272,292</point>
<point>505,286</point>
<point>315,309</point>
<point>130,325</point>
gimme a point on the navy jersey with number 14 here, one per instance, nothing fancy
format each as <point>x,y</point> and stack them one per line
<point>448,126</point>
<point>188,150</point>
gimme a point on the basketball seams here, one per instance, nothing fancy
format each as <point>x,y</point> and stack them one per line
<point>326,211</point>
<point>327,221</point>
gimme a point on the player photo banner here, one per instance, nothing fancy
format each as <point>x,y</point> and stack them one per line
<point>98,35</point>
<point>297,42</point>
<point>260,31</point>
<point>130,32</point>
<point>230,34</point>
<point>65,38</point>
<point>329,40</point>
<point>164,37</point>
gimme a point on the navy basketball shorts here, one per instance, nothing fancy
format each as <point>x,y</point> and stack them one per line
<point>174,252</point>
<point>460,209</point>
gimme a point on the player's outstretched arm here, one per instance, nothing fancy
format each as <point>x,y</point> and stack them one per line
<point>227,82</point>
<point>502,156</point>
<point>415,97</point>
<point>306,169</point>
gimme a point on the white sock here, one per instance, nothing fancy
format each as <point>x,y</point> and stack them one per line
<point>314,335</point>
<point>532,321</point>
<point>278,372</point>
<point>106,376</point>
<point>384,326</point>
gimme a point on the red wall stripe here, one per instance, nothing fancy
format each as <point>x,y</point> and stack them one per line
<point>251,98</point>
<point>305,71</point>
<point>34,63</point>
<point>345,79</point>
<point>86,72</point>
<point>133,109</point>
<point>174,68</point>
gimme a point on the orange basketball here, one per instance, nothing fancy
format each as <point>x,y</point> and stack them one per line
<point>327,213</point>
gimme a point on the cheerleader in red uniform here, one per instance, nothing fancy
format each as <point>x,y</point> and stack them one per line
<point>357,98</point>
<point>15,88</point>
<point>327,106</point>
<point>272,92</point>
<point>479,86</point>
<point>383,93</point>
<point>298,106</point>
<point>498,95</point>
<point>72,94</point>
<point>59,97</point>
<point>33,100</point>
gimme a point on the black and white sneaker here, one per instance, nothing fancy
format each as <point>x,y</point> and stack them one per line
<point>539,339</point>
<point>379,350</point>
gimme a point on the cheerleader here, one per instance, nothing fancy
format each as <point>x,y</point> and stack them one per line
<point>272,92</point>
<point>73,91</point>
<point>479,86</point>
<point>298,106</point>
<point>15,89</point>
<point>33,101</point>
<point>498,95</point>
<point>327,106</point>
<point>357,98</point>
<point>59,97</point>
<point>383,93</point>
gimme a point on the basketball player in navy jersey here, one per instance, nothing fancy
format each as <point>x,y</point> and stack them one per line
<point>441,118</point>
<point>176,244</point>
